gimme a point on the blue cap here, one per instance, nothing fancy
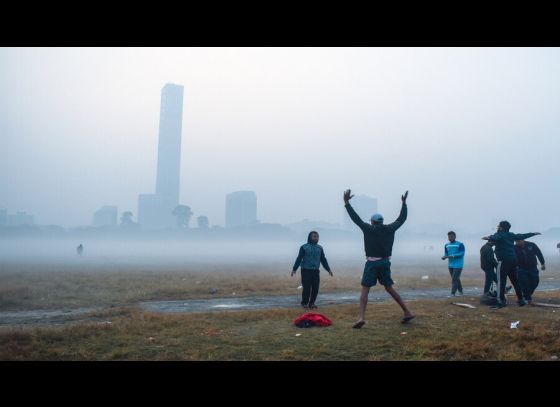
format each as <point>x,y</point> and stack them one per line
<point>377,217</point>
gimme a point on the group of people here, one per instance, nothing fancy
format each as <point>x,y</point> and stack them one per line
<point>512,257</point>
<point>504,255</point>
<point>378,245</point>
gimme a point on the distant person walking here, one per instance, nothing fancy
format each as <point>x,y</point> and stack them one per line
<point>455,255</point>
<point>80,249</point>
<point>527,271</point>
<point>378,243</point>
<point>488,264</point>
<point>310,256</point>
<point>503,242</point>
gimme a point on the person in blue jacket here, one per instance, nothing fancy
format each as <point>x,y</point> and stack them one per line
<point>455,255</point>
<point>310,256</point>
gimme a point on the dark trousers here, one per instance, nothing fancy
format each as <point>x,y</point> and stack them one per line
<point>310,283</point>
<point>529,280</point>
<point>505,269</point>
<point>456,280</point>
<point>490,275</point>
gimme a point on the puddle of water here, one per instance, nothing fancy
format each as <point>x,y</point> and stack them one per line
<point>229,305</point>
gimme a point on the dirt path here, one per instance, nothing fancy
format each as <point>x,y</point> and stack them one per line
<point>63,316</point>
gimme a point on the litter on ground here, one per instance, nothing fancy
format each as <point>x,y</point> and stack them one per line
<point>542,304</point>
<point>460,304</point>
<point>514,325</point>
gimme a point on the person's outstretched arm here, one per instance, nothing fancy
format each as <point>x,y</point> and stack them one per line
<point>402,216</point>
<point>298,260</point>
<point>353,215</point>
<point>493,238</point>
<point>523,236</point>
<point>324,262</point>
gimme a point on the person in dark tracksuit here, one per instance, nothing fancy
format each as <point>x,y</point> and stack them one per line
<point>503,241</point>
<point>527,271</point>
<point>488,264</point>
<point>378,243</point>
<point>309,257</point>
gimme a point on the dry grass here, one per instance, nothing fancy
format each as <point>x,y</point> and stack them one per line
<point>440,332</point>
<point>52,286</point>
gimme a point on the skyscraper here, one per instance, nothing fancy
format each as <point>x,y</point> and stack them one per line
<point>364,206</point>
<point>169,147</point>
<point>241,208</point>
<point>155,210</point>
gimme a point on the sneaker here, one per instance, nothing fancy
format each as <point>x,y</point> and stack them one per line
<point>499,305</point>
<point>521,302</point>
<point>312,306</point>
<point>451,295</point>
<point>460,294</point>
<point>304,306</point>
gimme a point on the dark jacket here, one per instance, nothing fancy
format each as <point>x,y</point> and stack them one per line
<point>527,255</point>
<point>504,243</point>
<point>487,259</point>
<point>310,255</point>
<point>378,239</point>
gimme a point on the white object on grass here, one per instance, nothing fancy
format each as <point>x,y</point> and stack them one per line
<point>514,325</point>
<point>461,304</point>
<point>425,277</point>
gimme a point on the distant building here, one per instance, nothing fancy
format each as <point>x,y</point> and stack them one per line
<point>20,218</point>
<point>106,216</point>
<point>364,206</point>
<point>155,210</point>
<point>241,208</point>
<point>3,217</point>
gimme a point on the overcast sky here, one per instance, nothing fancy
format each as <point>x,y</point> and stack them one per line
<point>472,133</point>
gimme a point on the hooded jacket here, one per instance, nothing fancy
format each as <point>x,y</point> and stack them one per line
<point>311,256</point>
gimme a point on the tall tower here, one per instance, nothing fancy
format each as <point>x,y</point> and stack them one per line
<point>155,210</point>
<point>169,146</point>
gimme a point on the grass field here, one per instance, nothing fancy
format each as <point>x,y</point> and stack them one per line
<point>441,331</point>
<point>51,286</point>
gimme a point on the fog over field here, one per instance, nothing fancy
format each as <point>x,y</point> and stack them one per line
<point>472,133</point>
<point>89,135</point>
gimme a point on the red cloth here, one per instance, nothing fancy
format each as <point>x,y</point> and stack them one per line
<point>316,319</point>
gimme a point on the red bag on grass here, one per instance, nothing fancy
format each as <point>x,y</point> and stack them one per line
<point>311,319</point>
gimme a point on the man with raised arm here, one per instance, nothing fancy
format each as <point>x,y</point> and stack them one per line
<point>378,243</point>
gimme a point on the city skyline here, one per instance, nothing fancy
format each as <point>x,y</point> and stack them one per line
<point>460,128</point>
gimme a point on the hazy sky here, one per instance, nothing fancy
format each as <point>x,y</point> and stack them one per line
<point>472,133</point>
